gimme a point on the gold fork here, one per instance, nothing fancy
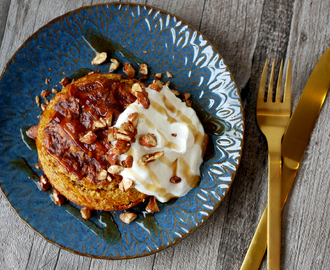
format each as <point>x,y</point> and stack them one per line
<point>273,118</point>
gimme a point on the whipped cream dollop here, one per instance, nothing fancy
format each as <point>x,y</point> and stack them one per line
<point>179,134</point>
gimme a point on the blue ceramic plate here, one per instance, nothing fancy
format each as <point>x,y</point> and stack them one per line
<point>136,34</point>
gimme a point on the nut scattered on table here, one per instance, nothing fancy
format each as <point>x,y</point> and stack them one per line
<point>114,64</point>
<point>99,58</point>
<point>85,213</point>
<point>152,206</point>
<point>127,217</point>
<point>129,70</point>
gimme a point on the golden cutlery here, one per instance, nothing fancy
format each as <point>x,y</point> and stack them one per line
<point>273,116</point>
<point>294,143</point>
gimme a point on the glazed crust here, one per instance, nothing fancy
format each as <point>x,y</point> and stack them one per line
<point>81,190</point>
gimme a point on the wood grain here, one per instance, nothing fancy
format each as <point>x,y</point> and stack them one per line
<point>245,33</point>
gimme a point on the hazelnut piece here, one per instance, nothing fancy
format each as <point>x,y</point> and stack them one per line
<point>99,58</point>
<point>58,197</point>
<point>85,213</point>
<point>114,64</point>
<point>127,217</point>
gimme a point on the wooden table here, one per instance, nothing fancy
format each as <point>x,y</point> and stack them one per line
<point>245,33</point>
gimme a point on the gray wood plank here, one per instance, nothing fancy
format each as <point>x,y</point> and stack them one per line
<point>144,263</point>
<point>190,11</point>
<point>3,15</point>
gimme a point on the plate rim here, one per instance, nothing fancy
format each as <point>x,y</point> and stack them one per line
<point>177,240</point>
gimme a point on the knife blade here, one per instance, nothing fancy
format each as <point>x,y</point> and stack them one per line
<point>294,142</point>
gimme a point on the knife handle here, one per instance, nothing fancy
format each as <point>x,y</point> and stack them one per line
<point>258,245</point>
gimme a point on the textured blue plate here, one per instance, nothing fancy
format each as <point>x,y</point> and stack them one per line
<point>166,44</point>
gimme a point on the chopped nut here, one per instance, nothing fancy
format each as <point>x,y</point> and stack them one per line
<point>101,123</point>
<point>136,88</point>
<point>99,58</point>
<point>89,138</point>
<point>149,140</point>
<point>102,175</point>
<point>115,169</point>
<point>90,73</point>
<point>32,132</point>
<point>189,103</point>
<point>175,179</point>
<point>152,157</point>
<point>185,96</point>
<point>43,107</point>
<point>47,81</point>
<point>134,119</point>
<point>44,182</point>
<point>54,91</point>
<point>46,101</point>
<point>108,119</point>
<point>127,217</point>
<point>114,64</point>
<point>126,184</point>
<point>64,81</point>
<point>144,52</point>
<point>109,178</point>
<point>38,100</point>
<point>122,136</point>
<point>44,93</point>
<point>121,147</point>
<point>156,85</point>
<point>174,134</point>
<point>112,159</point>
<point>152,206</point>
<point>37,166</point>
<point>143,100</point>
<point>128,162</point>
<point>169,75</point>
<point>175,92</point>
<point>167,84</point>
<point>127,126</point>
<point>158,76</point>
<point>58,197</point>
<point>112,134</point>
<point>85,213</point>
<point>129,70</point>
<point>144,69</point>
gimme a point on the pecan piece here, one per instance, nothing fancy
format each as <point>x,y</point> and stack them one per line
<point>152,206</point>
<point>114,64</point>
<point>129,70</point>
<point>143,100</point>
<point>65,81</point>
<point>175,92</point>
<point>108,119</point>
<point>101,123</point>
<point>156,85</point>
<point>136,87</point>
<point>185,96</point>
<point>121,147</point>
<point>89,138</point>
<point>85,213</point>
<point>144,69</point>
<point>126,184</point>
<point>44,93</point>
<point>128,162</point>
<point>112,159</point>
<point>149,140</point>
<point>44,182</point>
<point>127,217</point>
<point>134,119</point>
<point>102,175</point>
<point>99,58</point>
<point>158,76</point>
<point>152,157</point>
<point>128,127</point>
<point>112,134</point>
<point>58,197</point>
<point>169,75</point>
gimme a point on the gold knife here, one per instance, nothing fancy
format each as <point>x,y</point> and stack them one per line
<point>294,142</point>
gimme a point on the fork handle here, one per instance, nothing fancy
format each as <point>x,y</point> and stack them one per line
<point>274,209</point>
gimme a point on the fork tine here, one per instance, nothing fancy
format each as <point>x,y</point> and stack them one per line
<point>287,88</point>
<point>271,83</point>
<point>262,86</point>
<point>279,84</point>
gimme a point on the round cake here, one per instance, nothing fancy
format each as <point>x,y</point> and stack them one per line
<point>73,145</point>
